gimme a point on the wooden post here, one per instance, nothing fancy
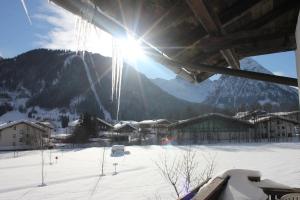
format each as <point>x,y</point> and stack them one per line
<point>298,52</point>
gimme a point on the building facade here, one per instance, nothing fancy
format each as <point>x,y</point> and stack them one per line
<point>275,128</point>
<point>23,135</point>
<point>211,128</point>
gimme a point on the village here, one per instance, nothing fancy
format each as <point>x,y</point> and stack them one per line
<point>255,126</point>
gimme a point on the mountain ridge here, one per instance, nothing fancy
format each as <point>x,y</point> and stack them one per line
<point>236,93</point>
<point>48,80</point>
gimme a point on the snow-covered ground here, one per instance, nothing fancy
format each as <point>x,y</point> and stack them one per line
<point>76,174</point>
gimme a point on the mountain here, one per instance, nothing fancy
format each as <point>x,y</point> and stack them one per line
<point>52,83</point>
<point>235,93</point>
<point>183,89</point>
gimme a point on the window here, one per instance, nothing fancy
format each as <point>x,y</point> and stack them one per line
<point>0,135</point>
<point>14,144</point>
<point>15,127</point>
<point>14,135</point>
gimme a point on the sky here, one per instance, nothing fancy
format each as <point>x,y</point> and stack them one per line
<point>52,27</point>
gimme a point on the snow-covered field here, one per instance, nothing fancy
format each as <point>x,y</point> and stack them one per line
<point>76,174</point>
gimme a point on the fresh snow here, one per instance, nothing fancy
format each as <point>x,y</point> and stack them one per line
<point>239,187</point>
<point>12,116</point>
<point>76,175</point>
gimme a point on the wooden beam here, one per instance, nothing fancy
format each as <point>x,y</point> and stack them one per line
<point>216,43</point>
<point>230,25</point>
<point>101,20</point>
<point>275,13</point>
<point>232,72</point>
<point>213,27</point>
<point>212,190</point>
<point>247,74</point>
<point>237,9</point>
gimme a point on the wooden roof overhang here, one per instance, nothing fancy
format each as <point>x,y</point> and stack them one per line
<point>198,38</point>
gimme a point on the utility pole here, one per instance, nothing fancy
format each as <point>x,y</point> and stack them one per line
<point>43,161</point>
<point>102,164</point>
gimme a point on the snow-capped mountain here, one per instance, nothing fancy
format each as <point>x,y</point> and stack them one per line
<point>183,89</point>
<point>235,93</point>
<point>48,84</point>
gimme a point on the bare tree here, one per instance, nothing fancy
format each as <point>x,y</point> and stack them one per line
<point>171,172</point>
<point>186,168</point>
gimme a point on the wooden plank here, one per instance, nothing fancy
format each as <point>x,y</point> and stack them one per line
<point>212,190</point>
<point>213,27</point>
<point>192,193</point>
<point>216,43</point>
<point>231,27</point>
<point>237,9</point>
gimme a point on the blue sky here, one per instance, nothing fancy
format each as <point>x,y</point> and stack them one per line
<point>54,28</point>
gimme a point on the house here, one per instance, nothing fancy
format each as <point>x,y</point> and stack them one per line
<point>72,125</point>
<point>103,126</point>
<point>250,115</point>
<point>153,126</point>
<point>49,127</point>
<point>211,127</point>
<point>274,127</point>
<point>23,135</point>
<point>124,128</point>
<point>293,115</point>
<point>123,133</point>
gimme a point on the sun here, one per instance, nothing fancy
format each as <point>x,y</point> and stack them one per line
<point>131,48</point>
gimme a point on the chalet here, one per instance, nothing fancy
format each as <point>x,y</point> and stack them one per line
<point>22,135</point>
<point>49,127</point>
<point>293,115</point>
<point>153,126</point>
<point>125,128</point>
<point>274,127</point>
<point>250,115</point>
<point>211,128</point>
<point>103,126</point>
<point>72,125</point>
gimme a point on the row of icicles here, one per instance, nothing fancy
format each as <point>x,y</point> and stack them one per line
<point>82,30</point>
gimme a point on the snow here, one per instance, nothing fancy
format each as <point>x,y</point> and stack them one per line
<point>267,100</point>
<point>184,89</point>
<point>239,187</point>
<point>13,116</point>
<point>74,123</point>
<point>76,175</point>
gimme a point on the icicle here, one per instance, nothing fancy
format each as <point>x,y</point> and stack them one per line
<point>117,68</point>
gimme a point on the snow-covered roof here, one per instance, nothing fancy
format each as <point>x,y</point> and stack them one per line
<point>74,123</point>
<point>122,125</point>
<point>61,135</point>
<point>285,113</point>
<point>269,117</point>
<point>240,115</point>
<point>104,122</point>
<point>30,123</point>
<point>186,121</point>
<point>154,121</point>
<point>45,124</point>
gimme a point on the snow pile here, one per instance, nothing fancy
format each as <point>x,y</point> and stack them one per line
<point>239,187</point>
